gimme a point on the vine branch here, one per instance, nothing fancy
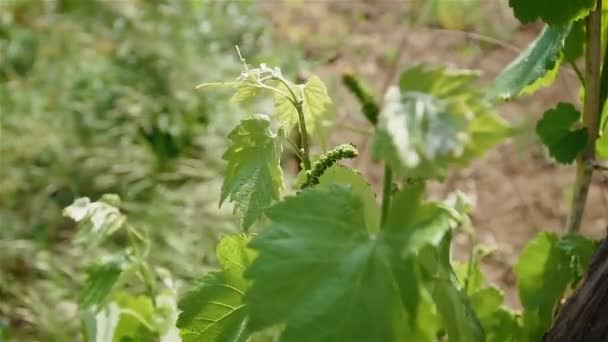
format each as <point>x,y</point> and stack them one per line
<point>386,193</point>
<point>591,115</point>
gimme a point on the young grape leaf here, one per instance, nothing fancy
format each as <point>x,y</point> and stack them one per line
<point>326,278</point>
<point>101,278</point>
<point>554,130</point>
<point>246,89</point>
<point>214,309</point>
<point>436,117</point>
<point>458,317</point>
<point>552,12</point>
<point>97,220</point>
<point>136,321</point>
<point>346,176</point>
<point>315,101</point>
<point>253,175</point>
<point>535,67</point>
<point>545,269</point>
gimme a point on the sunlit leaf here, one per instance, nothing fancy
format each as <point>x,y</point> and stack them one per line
<point>136,320</point>
<point>555,131</point>
<point>253,176</point>
<point>315,102</point>
<point>545,269</point>
<point>214,309</point>
<point>535,67</point>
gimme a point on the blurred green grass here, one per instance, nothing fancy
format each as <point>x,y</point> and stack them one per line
<point>98,97</point>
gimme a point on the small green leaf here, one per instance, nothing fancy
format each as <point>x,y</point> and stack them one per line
<point>574,45</point>
<point>346,176</point>
<point>315,101</point>
<point>544,272</point>
<point>502,326</point>
<point>321,274</point>
<point>101,278</point>
<point>214,309</point>
<point>458,317</point>
<point>135,322</point>
<point>555,131</point>
<point>553,12</point>
<point>245,91</point>
<point>253,175</point>
<point>535,67</point>
<point>432,120</point>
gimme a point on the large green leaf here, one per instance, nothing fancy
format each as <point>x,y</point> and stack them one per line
<point>253,176</point>
<point>553,12</point>
<point>555,131</point>
<point>535,67</point>
<point>545,269</point>
<point>436,117</point>
<point>346,176</point>
<point>101,278</point>
<point>315,101</point>
<point>214,309</point>
<point>326,278</point>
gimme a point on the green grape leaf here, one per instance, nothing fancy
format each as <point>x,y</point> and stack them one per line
<point>544,271</point>
<point>502,326</point>
<point>346,176</point>
<point>436,117</point>
<point>552,12</point>
<point>135,322</point>
<point>315,102</point>
<point>535,67</point>
<point>97,220</point>
<point>325,277</point>
<point>214,309</point>
<point>458,317</point>
<point>102,278</point>
<point>574,45</point>
<point>554,130</point>
<point>253,175</point>
<point>99,326</point>
<point>245,92</point>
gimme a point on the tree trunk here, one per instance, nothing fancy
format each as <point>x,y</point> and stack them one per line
<point>584,316</point>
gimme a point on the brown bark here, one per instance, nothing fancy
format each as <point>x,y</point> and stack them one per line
<point>584,316</point>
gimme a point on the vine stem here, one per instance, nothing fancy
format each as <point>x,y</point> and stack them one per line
<point>303,135</point>
<point>298,104</point>
<point>591,117</point>
<point>386,193</point>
